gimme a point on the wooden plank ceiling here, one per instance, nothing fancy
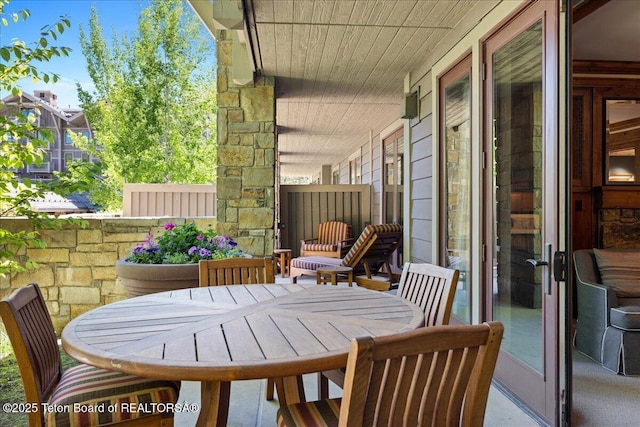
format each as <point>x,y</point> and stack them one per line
<point>340,67</point>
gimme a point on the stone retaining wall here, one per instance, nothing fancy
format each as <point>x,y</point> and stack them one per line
<point>77,268</point>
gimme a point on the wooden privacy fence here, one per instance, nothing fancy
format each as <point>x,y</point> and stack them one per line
<point>303,207</point>
<point>175,200</point>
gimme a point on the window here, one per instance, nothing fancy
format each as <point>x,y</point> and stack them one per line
<point>53,142</point>
<point>393,158</point>
<point>335,176</point>
<point>355,170</point>
<point>622,139</point>
<point>67,138</point>
<point>392,180</point>
<point>68,159</point>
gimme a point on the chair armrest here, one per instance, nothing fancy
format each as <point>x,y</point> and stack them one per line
<point>594,303</point>
<point>302,242</point>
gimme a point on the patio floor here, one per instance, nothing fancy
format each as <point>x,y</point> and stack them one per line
<point>248,406</point>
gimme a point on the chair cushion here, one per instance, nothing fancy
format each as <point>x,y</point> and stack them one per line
<point>626,318</point>
<point>313,262</point>
<point>102,391</point>
<point>332,232</point>
<point>322,413</point>
<point>620,270</point>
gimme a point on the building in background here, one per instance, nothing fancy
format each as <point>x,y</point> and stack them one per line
<point>60,152</point>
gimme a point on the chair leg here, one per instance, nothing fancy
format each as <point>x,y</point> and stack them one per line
<point>323,387</point>
<point>271,386</point>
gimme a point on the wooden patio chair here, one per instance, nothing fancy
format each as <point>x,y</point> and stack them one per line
<point>236,271</point>
<point>367,255</point>
<point>34,342</point>
<point>437,376</point>
<point>431,288</point>
<point>331,235</point>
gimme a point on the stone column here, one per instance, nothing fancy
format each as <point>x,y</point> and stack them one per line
<point>246,156</point>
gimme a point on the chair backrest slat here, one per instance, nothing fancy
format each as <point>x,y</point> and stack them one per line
<point>436,376</point>
<point>236,271</point>
<point>34,343</point>
<point>430,287</point>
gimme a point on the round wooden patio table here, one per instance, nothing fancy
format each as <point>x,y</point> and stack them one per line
<point>224,333</point>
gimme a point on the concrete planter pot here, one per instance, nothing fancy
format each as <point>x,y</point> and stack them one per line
<point>143,279</point>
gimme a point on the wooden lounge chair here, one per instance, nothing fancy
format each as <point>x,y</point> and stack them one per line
<point>34,342</point>
<point>331,235</point>
<point>437,376</point>
<point>236,271</point>
<point>367,255</point>
<point>430,287</point>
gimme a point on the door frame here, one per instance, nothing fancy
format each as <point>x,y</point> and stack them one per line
<point>513,375</point>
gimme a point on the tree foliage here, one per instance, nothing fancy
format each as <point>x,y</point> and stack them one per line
<point>21,143</point>
<point>153,108</point>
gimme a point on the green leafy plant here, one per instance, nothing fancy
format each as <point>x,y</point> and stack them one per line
<point>152,105</point>
<point>22,142</point>
<point>183,244</point>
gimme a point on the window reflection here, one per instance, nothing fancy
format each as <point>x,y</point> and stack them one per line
<point>457,157</point>
<point>623,141</point>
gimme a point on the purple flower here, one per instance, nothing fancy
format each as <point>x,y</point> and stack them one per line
<point>183,243</point>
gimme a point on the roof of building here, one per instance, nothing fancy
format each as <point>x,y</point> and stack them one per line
<point>53,203</point>
<point>65,114</point>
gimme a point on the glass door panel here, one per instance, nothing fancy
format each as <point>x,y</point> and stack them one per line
<point>517,190</point>
<point>456,147</point>
<point>393,158</point>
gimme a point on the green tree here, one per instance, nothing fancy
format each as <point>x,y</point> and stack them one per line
<point>153,108</point>
<point>20,142</point>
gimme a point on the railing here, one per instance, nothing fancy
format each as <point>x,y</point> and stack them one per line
<point>176,200</point>
<point>44,167</point>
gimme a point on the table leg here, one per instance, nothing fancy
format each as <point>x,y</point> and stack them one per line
<point>334,279</point>
<point>214,404</point>
<point>282,264</point>
<point>290,390</point>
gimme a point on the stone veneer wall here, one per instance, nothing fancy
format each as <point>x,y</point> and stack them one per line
<point>246,156</point>
<point>619,228</point>
<point>77,268</point>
